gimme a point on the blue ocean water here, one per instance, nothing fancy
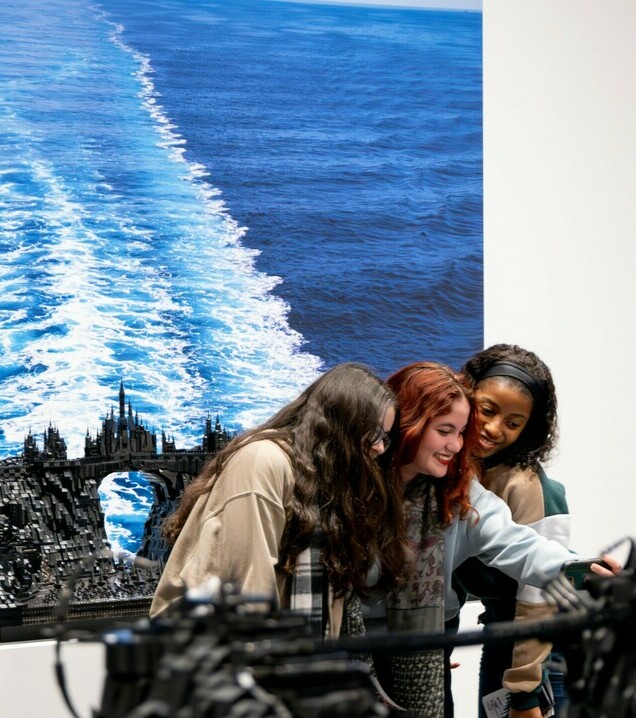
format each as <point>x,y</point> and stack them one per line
<point>126,499</point>
<point>215,201</point>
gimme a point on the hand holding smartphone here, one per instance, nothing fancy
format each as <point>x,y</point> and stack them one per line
<point>577,570</point>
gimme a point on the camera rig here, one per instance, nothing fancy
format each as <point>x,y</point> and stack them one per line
<point>223,654</point>
<point>226,655</point>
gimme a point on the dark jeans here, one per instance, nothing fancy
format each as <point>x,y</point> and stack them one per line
<point>558,686</point>
<point>494,661</point>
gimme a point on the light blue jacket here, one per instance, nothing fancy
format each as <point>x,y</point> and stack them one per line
<point>492,536</point>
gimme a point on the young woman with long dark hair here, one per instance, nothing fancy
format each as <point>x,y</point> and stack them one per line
<point>300,497</point>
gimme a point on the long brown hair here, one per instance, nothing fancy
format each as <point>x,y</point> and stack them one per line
<point>327,432</point>
<point>426,390</point>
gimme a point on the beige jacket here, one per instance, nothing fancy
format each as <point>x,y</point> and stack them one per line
<point>531,503</point>
<point>234,531</point>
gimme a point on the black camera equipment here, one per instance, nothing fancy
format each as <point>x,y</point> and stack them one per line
<point>221,654</point>
<point>601,657</point>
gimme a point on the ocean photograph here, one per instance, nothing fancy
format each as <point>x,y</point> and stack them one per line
<point>213,202</point>
<point>126,498</point>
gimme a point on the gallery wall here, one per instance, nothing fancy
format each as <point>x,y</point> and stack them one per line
<point>560,229</point>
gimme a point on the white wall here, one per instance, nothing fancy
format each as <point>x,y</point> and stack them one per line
<point>28,687</point>
<point>560,231</point>
<point>560,243</point>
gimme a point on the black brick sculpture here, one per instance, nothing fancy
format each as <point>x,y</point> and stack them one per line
<point>52,528</point>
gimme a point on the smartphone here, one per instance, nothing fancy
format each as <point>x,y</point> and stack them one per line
<point>577,570</point>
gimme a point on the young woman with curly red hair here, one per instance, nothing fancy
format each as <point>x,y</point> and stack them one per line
<point>449,518</point>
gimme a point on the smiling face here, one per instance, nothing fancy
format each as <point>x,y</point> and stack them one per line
<point>502,412</point>
<point>441,440</point>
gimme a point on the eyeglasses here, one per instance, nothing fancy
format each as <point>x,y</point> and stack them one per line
<point>381,436</point>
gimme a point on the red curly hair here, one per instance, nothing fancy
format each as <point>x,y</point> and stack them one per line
<point>426,390</point>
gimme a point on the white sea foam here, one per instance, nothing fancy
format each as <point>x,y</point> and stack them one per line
<point>124,498</point>
<point>252,333</point>
<point>117,496</point>
<point>155,288</point>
